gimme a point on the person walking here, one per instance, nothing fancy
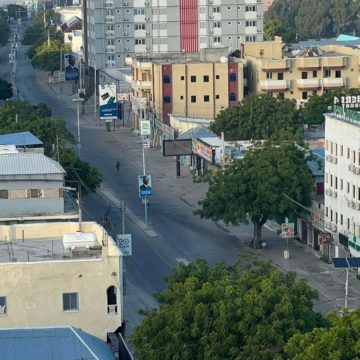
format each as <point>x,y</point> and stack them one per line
<point>117,166</point>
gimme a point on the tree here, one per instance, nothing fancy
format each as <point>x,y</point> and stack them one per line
<point>4,29</point>
<point>258,187</point>
<point>226,312</point>
<point>5,90</point>
<point>338,341</point>
<point>47,56</point>
<point>37,119</point>
<point>258,116</point>
<point>312,112</point>
<point>272,28</point>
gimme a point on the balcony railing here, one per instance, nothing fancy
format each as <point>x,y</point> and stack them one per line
<point>333,82</point>
<point>112,309</point>
<point>308,83</point>
<point>274,85</point>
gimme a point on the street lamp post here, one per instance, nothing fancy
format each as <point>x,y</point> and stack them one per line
<point>78,100</point>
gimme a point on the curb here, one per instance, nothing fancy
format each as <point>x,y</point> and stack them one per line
<point>115,200</point>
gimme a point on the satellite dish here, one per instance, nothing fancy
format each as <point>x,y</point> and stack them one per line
<point>223,59</point>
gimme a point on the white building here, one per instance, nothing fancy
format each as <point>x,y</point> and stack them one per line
<point>342,180</point>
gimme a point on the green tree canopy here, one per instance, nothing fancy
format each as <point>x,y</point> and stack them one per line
<point>258,116</point>
<point>312,112</point>
<point>4,29</point>
<point>258,187</point>
<point>5,90</point>
<point>339,341</point>
<point>37,119</point>
<point>47,57</point>
<point>226,312</point>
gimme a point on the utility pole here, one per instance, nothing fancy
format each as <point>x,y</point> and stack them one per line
<point>79,204</point>
<point>61,68</point>
<point>95,86</point>
<point>144,173</point>
<point>48,38</point>
<point>78,100</point>
<point>346,289</point>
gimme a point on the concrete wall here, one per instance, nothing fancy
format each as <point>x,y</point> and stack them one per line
<point>34,289</point>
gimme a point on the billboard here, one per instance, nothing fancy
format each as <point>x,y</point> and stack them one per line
<point>205,151</point>
<point>107,102</point>
<point>145,189</point>
<point>177,147</point>
<point>71,64</point>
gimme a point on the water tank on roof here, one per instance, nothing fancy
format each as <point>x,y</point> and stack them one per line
<point>223,59</point>
<point>79,240</point>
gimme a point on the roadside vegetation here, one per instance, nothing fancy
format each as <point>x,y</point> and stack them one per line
<point>56,138</point>
<point>4,28</point>
<point>6,91</point>
<point>311,19</point>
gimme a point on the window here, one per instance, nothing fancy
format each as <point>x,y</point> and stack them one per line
<point>193,98</point>
<point>206,78</point>
<point>167,99</point>
<point>341,184</point>
<point>206,98</point>
<point>181,97</point>
<point>232,96</point>
<point>216,9</point>
<point>217,39</point>
<point>3,310</point>
<point>111,300</point>
<point>166,79</point>
<point>348,153</point>
<point>280,76</point>
<point>338,73</point>
<point>327,73</point>
<point>139,41</point>
<point>70,301</point>
<point>336,182</point>
<point>4,194</point>
<point>314,74</point>
<point>304,95</point>
<point>250,8</point>
<point>232,77</point>
<point>269,75</point>
<point>139,26</point>
<point>348,223</point>
<point>139,11</point>
<point>304,75</point>
<point>217,77</point>
<point>250,38</point>
<point>182,77</point>
<point>193,78</point>
<point>281,95</point>
<point>250,23</point>
<point>217,97</point>
<point>216,24</point>
<point>341,219</point>
<point>34,193</point>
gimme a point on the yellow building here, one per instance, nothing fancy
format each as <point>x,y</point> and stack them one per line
<point>47,279</point>
<point>315,69</point>
<point>196,85</point>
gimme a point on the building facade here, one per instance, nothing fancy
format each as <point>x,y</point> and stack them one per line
<point>342,180</point>
<point>197,87</point>
<point>45,281</point>
<point>298,75</point>
<point>115,29</point>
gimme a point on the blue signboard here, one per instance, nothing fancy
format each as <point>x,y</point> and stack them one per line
<point>107,100</point>
<point>145,189</point>
<point>71,67</point>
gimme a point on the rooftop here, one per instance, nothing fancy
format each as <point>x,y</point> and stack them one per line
<point>346,115</point>
<point>28,164</point>
<point>60,343</point>
<point>20,139</point>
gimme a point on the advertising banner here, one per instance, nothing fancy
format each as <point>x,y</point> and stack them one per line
<point>203,150</point>
<point>107,102</point>
<point>123,241</point>
<point>71,64</point>
<point>145,128</point>
<point>145,189</point>
<point>11,58</point>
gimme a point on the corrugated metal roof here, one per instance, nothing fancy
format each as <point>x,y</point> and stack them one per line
<point>20,139</point>
<point>28,164</point>
<point>197,132</point>
<point>62,343</point>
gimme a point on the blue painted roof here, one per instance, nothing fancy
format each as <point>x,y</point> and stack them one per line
<point>344,37</point>
<point>60,343</point>
<point>20,139</point>
<point>197,132</point>
<point>319,152</point>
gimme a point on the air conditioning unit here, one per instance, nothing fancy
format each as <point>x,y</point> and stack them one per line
<point>148,48</point>
<point>328,192</point>
<point>328,158</point>
<point>351,204</point>
<point>211,31</point>
<point>126,49</point>
<point>211,2</point>
<point>211,16</point>
<point>352,167</point>
<point>333,227</point>
<point>147,18</point>
<point>357,171</point>
<point>126,4</point>
<point>259,30</point>
<point>334,194</point>
<point>148,33</point>
<point>334,160</point>
<point>357,206</point>
<point>126,34</point>
<point>327,225</point>
<point>126,19</point>
<point>147,3</point>
<point>259,15</point>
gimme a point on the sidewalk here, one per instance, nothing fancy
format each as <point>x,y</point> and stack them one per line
<point>328,281</point>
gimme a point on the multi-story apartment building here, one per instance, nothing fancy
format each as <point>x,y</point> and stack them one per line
<point>115,29</point>
<point>53,275</point>
<point>199,86</point>
<point>299,74</point>
<point>342,179</point>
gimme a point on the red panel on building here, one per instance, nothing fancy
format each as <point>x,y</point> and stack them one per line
<point>233,84</point>
<point>167,92</point>
<point>189,33</point>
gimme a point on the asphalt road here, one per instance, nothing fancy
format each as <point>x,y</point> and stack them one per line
<point>182,236</point>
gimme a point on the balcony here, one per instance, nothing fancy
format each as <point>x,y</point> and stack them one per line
<point>142,65</point>
<point>275,65</point>
<point>274,85</point>
<point>333,83</point>
<point>308,63</point>
<point>110,34</point>
<point>333,62</point>
<point>110,49</point>
<point>109,18</point>
<point>112,309</point>
<point>109,4</point>
<point>304,84</point>
<point>141,85</point>
<point>110,63</point>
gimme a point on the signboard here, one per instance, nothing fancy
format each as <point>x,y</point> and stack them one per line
<point>61,75</point>
<point>123,241</point>
<point>324,238</point>
<point>123,97</point>
<point>71,64</point>
<point>177,147</point>
<point>287,230</point>
<point>107,101</point>
<point>146,143</point>
<point>207,152</point>
<point>11,58</point>
<point>349,101</point>
<point>145,189</point>
<point>145,128</point>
